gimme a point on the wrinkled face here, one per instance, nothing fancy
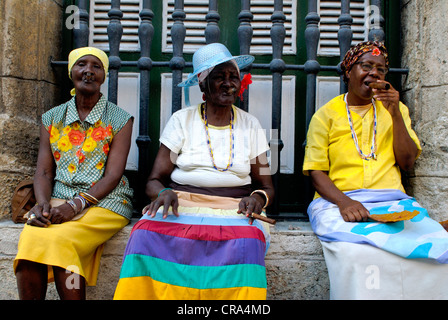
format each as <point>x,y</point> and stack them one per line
<point>222,85</point>
<point>88,75</point>
<point>359,78</point>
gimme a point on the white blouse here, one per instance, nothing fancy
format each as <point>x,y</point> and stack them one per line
<point>185,136</point>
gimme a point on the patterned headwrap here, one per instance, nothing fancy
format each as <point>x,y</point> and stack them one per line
<point>352,56</point>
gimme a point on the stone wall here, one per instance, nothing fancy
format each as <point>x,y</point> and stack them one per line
<point>31,34</point>
<point>425,53</point>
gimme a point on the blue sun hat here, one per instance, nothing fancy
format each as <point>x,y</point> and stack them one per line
<point>208,57</point>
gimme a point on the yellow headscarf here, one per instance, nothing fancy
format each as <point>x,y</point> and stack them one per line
<point>86,51</point>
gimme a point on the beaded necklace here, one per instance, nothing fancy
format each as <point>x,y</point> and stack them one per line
<point>373,148</point>
<point>232,149</point>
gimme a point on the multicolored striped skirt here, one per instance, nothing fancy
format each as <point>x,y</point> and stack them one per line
<point>209,252</point>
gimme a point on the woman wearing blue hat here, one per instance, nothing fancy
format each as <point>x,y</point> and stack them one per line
<point>198,238</point>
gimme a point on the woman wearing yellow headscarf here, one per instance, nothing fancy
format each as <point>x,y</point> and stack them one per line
<point>82,196</point>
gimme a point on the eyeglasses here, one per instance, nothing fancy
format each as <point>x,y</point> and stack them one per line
<point>365,66</point>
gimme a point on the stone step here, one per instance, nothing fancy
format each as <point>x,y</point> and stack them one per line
<point>294,264</point>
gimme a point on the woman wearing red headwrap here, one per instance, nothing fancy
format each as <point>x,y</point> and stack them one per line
<point>357,145</point>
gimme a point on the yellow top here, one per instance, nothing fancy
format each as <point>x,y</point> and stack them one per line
<point>330,147</point>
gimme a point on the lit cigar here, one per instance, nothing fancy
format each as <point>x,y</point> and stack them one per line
<point>379,85</point>
<point>263,218</point>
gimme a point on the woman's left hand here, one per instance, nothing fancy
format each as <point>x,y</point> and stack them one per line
<point>390,98</point>
<point>61,214</point>
<point>249,205</point>
<point>405,149</point>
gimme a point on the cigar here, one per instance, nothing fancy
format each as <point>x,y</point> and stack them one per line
<point>379,85</point>
<point>263,218</point>
<point>89,76</point>
<point>231,91</point>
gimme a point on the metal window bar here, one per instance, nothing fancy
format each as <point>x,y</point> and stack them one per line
<point>81,34</point>
<point>144,64</point>
<point>277,66</point>
<point>245,33</point>
<point>177,63</point>
<point>114,33</point>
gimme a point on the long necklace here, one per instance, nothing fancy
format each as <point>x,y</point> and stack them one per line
<point>373,148</point>
<point>232,149</point>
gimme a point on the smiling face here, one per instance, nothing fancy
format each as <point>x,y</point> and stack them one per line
<point>358,79</point>
<point>222,85</point>
<point>88,75</point>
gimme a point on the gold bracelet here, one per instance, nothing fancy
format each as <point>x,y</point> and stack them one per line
<point>265,195</point>
<point>91,199</point>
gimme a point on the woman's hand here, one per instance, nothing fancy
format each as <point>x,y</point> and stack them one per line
<point>405,149</point>
<point>61,214</point>
<point>249,205</point>
<point>353,211</point>
<point>260,173</point>
<point>390,99</point>
<point>166,199</point>
<point>38,215</point>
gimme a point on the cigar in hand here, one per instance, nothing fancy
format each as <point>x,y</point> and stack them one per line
<point>263,218</point>
<point>379,85</point>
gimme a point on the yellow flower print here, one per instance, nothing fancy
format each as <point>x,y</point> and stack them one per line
<point>54,134</point>
<point>99,165</point>
<point>64,144</point>
<point>98,123</point>
<point>89,145</point>
<point>125,202</point>
<point>66,130</point>
<point>71,168</point>
<point>89,131</point>
<point>76,126</point>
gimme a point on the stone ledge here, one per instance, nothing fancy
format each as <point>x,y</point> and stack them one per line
<point>295,265</point>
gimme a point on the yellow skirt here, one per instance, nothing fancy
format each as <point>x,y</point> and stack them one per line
<point>74,245</point>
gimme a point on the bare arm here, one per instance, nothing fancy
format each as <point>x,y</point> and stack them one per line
<point>405,149</point>
<point>159,180</point>
<point>261,180</point>
<point>45,169</point>
<point>351,210</point>
<point>116,163</point>
<point>43,181</point>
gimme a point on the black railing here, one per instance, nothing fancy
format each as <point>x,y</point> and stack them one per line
<point>212,34</point>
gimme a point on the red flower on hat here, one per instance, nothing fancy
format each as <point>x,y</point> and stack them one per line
<point>376,52</point>
<point>247,80</point>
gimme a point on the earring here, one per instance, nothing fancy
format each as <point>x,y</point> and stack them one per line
<point>203,97</point>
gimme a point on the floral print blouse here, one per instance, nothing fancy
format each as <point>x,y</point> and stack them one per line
<point>80,150</point>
